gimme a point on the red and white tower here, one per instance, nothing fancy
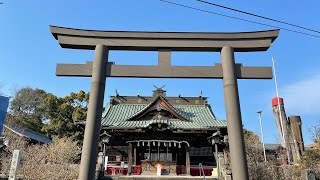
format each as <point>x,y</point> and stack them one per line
<point>281,120</point>
<point>287,137</point>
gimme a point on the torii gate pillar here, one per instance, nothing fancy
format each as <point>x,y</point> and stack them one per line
<point>95,108</point>
<point>233,113</point>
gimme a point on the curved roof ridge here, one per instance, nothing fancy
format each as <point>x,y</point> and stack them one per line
<point>106,110</point>
<point>177,112</point>
<point>172,107</point>
<point>211,112</point>
<point>142,110</point>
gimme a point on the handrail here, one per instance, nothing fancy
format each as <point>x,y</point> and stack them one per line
<point>201,171</point>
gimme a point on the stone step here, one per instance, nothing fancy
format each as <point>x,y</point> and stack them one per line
<point>139,177</point>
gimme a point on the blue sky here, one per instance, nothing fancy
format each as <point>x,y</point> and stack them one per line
<point>29,53</point>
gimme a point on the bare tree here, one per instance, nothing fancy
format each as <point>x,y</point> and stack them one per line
<point>273,170</point>
<point>315,133</point>
<point>53,162</point>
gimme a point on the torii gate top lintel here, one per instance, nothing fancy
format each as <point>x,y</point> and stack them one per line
<point>153,41</point>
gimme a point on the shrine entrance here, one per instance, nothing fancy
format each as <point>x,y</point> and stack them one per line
<point>170,155</point>
<point>164,43</point>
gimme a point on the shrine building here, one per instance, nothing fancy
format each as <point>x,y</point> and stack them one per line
<point>160,135</point>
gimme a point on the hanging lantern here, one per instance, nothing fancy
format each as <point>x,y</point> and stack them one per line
<point>154,143</point>
<point>158,143</point>
<point>105,137</point>
<point>142,143</point>
<point>148,143</point>
<point>138,144</point>
<point>179,145</point>
<point>174,144</point>
<point>169,144</point>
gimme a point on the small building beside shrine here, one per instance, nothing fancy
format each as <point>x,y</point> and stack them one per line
<point>160,135</point>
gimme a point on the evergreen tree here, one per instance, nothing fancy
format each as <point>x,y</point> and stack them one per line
<point>47,113</point>
<point>27,108</point>
<point>63,113</point>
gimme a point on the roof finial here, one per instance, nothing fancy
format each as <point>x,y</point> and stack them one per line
<point>159,91</point>
<point>117,94</point>
<point>157,88</point>
<point>200,94</point>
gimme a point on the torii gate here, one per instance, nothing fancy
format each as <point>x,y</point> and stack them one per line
<point>164,43</point>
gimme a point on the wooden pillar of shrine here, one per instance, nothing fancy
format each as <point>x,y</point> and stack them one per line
<point>187,160</point>
<point>129,159</point>
<point>135,155</point>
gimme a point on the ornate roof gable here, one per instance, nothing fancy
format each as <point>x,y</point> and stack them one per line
<point>159,108</point>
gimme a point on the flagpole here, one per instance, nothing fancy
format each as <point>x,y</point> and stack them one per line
<point>279,110</point>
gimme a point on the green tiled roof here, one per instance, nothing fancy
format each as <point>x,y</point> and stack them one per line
<point>200,116</point>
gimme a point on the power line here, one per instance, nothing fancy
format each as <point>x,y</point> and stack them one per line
<point>255,15</point>
<point>240,19</point>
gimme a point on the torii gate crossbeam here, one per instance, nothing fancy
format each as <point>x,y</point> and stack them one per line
<point>164,43</point>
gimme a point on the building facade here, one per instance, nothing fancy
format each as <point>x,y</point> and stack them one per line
<point>160,135</point>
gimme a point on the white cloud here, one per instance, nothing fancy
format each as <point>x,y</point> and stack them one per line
<point>302,96</point>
